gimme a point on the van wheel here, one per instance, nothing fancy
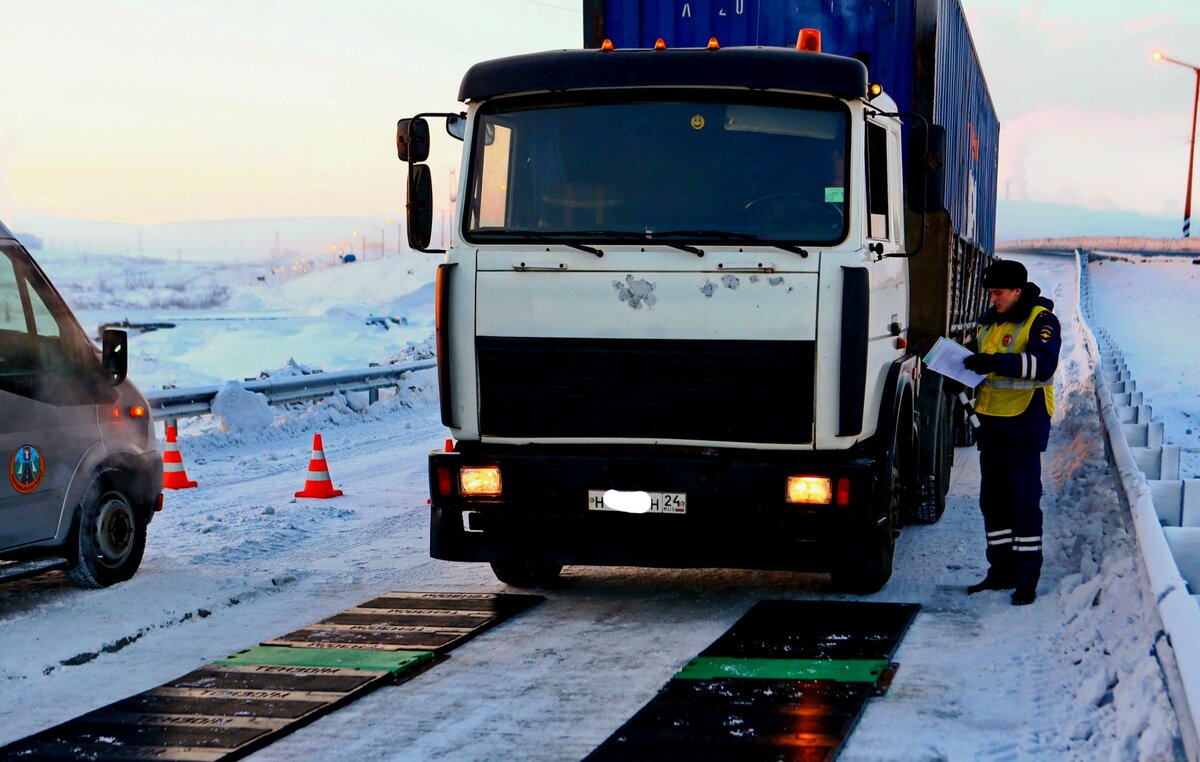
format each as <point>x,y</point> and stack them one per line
<point>526,573</point>
<point>110,539</point>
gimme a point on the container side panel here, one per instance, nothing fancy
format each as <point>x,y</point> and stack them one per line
<point>880,32</point>
<point>963,106</point>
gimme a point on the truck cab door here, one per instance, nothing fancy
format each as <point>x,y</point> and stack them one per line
<point>50,386</point>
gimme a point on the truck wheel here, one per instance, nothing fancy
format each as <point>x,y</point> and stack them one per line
<point>964,434</point>
<point>110,538</point>
<point>526,573</point>
<point>864,564</point>
<point>931,506</point>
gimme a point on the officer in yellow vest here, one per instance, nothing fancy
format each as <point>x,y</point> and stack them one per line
<point>1017,348</point>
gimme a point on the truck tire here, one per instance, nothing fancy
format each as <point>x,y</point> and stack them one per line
<point>526,573</point>
<point>931,506</point>
<point>109,538</point>
<point>964,434</point>
<point>864,564</point>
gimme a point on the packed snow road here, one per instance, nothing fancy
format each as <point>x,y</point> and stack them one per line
<point>238,561</point>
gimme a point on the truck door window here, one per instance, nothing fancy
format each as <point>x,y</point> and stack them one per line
<point>877,182</point>
<point>493,179</point>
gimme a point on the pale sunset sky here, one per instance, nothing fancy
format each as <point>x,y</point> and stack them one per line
<point>147,111</point>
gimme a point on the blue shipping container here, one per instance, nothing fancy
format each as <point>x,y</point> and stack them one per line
<point>919,50</point>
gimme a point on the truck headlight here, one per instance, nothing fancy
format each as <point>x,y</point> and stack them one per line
<point>479,481</point>
<point>811,490</point>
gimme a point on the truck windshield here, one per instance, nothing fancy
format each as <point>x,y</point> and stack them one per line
<point>704,170</point>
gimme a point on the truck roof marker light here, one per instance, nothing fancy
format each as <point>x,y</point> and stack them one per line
<point>875,89</point>
<point>449,445</point>
<point>660,44</point>
<point>713,44</point>
<point>606,46</point>
<point>809,40</point>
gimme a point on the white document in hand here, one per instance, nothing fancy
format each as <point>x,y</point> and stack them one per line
<point>946,357</point>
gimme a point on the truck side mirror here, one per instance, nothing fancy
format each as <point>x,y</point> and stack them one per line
<point>926,167</point>
<point>412,140</point>
<point>115,355</point>
<point>420,206</point>
<point>456,126</point>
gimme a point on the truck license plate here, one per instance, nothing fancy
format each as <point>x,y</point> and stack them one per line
<point>637,502</point>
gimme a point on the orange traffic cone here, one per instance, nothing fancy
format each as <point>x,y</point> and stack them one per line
<point>318,483</point>
<point>174,477</point>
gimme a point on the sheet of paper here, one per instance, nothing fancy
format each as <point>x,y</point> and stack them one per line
<point>946,357</point>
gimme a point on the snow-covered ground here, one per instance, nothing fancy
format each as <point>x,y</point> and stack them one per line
<point>231,325</point>
<point>238,560</point>
<point>1148,305</point>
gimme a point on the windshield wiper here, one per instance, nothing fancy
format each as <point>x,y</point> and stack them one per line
<point>728,235</point>
<point>645,238</point>
<point>559,238</point>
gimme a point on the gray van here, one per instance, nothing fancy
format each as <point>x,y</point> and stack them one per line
<point>82,474</point>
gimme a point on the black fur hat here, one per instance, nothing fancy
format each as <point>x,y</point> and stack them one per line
<point>1005,273</point>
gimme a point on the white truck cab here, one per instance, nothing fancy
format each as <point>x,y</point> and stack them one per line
<point>83,477</point>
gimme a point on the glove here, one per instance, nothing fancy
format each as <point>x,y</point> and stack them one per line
<point>982,364</point>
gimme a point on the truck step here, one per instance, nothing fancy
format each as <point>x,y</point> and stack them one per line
<point>12,570</point>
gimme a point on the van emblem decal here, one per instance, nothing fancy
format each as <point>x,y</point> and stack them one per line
<point>26,469</point>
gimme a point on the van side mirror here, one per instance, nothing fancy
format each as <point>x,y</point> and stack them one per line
<point>926,167</point>
<point>412,140</point>
<point>420,206</point>
<point>115,355</point>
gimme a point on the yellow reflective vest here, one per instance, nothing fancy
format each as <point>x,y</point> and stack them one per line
<point>1003,396</point>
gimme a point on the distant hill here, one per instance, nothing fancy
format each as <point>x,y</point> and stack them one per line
<point>298,237</point>
<point>250,239</point>
<point>1025,220</point>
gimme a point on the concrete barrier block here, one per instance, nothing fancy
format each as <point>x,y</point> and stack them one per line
<point>1121,387</point>
<point>1168,501</point>
<point>1139,414</point>
<point>1128,399</point>
<point>1143,434</point>
<point>1157,462</point>
<point>1190,516</point>
<point>1185,547</point>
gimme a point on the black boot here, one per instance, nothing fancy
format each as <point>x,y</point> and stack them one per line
<point>1024,595</point>
<point>993,581</point>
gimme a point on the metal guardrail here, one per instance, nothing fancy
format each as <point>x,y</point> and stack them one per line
<point>1166,522</point>
<point>171,404</point>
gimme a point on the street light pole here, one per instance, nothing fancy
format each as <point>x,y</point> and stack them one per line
<point>382,241</point>
<point>1187,204</point>
<point>399,235</point>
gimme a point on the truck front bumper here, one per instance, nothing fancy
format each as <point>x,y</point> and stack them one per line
<point>737,514</point>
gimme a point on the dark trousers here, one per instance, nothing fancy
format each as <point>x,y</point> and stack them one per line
<point>1010,490</point>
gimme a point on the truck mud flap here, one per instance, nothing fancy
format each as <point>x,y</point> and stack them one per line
<point>239,705</point>
<point>788,681</point>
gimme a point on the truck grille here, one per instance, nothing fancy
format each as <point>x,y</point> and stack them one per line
<point>737,391</point>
